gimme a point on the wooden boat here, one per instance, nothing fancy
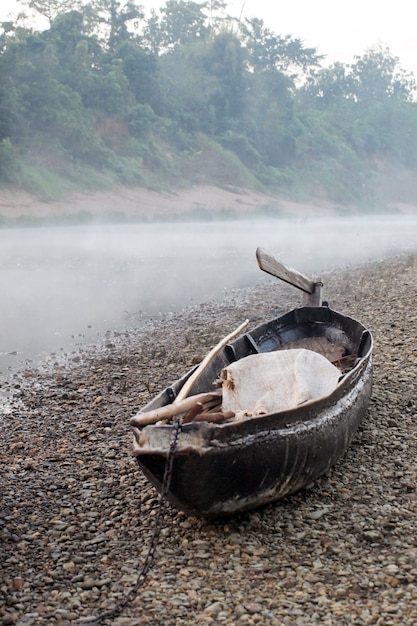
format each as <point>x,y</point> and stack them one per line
<point>222,464</point>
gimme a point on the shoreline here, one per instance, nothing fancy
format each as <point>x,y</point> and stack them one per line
<point>77,514</point>
<point>199,202</point>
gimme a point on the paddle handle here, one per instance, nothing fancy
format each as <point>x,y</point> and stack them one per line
<point>271,265</point>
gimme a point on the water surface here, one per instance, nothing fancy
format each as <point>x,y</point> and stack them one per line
<point>64,286</point>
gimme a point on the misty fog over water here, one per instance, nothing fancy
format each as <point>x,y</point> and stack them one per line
<point>62,287</point>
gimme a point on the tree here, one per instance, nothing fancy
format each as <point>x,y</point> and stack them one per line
<point>377,76</point>
<point>268,116</point>
<point>268,51</point>
<point>51,8</point>
<point>183,22</point>
<point>224,61</point>
<point>141,70</point>
<point>152,36</point>
<point>216,14</point>
<point>329,86</point>
<point>203,83</point>
<point>187,106</point>
<point>114,18</point>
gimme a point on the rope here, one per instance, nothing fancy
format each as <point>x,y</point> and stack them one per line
<point>95,620</point>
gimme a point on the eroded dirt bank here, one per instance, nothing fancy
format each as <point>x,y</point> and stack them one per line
<point>141,203</point>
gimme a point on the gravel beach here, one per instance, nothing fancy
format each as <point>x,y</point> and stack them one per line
<point>77,515</point>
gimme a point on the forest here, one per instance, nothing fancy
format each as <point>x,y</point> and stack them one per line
<point>104,96</point>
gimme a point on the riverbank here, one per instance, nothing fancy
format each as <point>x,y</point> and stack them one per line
<point>199,202</point>
<point>145,204</point>
<point>77,515</point>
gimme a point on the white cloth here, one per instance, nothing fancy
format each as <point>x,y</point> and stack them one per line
<point>274,381</point>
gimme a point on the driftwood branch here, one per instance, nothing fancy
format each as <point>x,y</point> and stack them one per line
<point>212,406</point>
<point>216,417</point>
<point>196,407</point>
<point>184,391</point>
<point>170,410</point>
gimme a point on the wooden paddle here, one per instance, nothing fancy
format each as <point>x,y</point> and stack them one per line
<point>271,265</point>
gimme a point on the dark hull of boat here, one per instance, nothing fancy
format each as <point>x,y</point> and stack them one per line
<point>221,469</point>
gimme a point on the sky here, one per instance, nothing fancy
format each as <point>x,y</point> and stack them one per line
<point>338,30</point>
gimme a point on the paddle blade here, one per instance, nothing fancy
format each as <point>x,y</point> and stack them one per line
<point>272,266</point>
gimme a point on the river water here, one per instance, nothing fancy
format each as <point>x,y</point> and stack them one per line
<point>62,287</point>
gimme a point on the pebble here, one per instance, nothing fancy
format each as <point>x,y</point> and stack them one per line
<point>77,515</point>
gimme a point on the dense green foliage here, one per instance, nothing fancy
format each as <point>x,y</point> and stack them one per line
<point>104,95</point>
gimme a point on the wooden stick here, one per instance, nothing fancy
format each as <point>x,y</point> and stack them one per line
<point>193,412</point>
<point>184,391</point>
<point>217,417</point>
<point>199,407</point>
<point>170,410</point>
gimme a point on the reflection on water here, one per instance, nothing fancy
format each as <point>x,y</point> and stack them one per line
<point>64,286</point>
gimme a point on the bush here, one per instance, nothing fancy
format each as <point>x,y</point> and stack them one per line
<point>9,164</point>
